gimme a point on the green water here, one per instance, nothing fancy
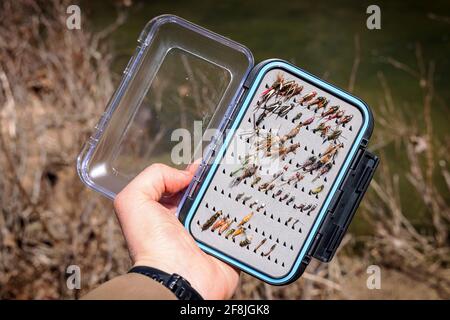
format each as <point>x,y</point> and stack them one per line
<point>319,37</point>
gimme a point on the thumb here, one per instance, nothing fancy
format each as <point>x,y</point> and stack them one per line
<point>157,180</point>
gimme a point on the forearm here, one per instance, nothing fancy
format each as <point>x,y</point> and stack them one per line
<point>131,286</point>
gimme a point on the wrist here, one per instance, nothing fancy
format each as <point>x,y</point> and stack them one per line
<point>178,285</point>
<point>167,266</point>
<point>170,268</point>
<point>153,263</point>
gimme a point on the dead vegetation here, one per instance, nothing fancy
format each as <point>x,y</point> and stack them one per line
<point>423,256</point>
<point>54,84</point>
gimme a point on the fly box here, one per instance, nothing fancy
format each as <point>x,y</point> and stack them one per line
<point>284,160</point>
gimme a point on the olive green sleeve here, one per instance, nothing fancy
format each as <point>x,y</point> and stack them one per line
<point>131,286</point>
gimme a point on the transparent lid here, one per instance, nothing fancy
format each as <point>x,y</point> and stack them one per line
<point>179,84</point>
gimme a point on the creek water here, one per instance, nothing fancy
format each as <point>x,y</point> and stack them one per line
<point>319,36</point>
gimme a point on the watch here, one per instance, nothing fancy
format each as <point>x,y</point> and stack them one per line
<point>174,282</point>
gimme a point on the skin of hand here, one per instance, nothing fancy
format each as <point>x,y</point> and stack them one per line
<point>156,238</point>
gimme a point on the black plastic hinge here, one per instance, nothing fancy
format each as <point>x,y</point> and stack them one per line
<point>343,206</point>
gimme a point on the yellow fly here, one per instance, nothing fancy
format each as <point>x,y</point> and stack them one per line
<point>245,219</point>
<point>318,189</point>
<point>238,232</point>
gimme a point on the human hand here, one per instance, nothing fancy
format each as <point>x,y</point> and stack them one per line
<point>156,238</point>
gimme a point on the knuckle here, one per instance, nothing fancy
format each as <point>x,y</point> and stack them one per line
<point>155,167</point>
<point>155,171</point>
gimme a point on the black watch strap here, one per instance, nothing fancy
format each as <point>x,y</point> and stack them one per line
<point>174,282</point>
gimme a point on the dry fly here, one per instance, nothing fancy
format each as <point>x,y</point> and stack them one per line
<point>293,91</point>
<point>239,231</point>
<point>308,121</point>
<point>261,117</point>
<point>273,106</point>
<point>287,89</point>
<point>322,104</point>
<point>309,162</point>
<point>336,115</point>
<point>294,131</point>
<point>248,172</point>
<point>297,117</point>
<point>284,151</point>
<point>291,134</point>
<point>322,128</point>
<point>333,149</point>
<point>307,97</point>
<point>230,232</point>
<point>290,200</point>
<point>270,251</point>
<point>245,199</point>
<point>245,219</point>
<point>296,177</point>
<point>316,101</point>
<point>246,241</point>
<point>330,111</point>
<point>219,224</point>
<point>317,189</point>
<point>260,244</point>
<point>345,119</point>
<point>326,158</point>
<point>264,186</point>
<point>243,167</point>
<point>284,110</point>
<point>253,204</point>
<point>211,220</point>
<point>315,166</point>
<point>255,180</point>
<point>323,171</point>
<point>267,142</point>
<point>333,136</point>
<point>270,184</point>
<point>225,226</point>
<point>273,89</point>
<point>312,209</point>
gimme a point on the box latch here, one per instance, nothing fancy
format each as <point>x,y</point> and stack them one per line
<point>343,205</point>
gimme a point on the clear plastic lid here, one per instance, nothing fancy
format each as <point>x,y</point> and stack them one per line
<point>181,81</point>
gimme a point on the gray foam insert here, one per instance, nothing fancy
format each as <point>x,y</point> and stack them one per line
<point>275,221</point>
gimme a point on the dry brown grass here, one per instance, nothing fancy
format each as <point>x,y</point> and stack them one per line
<point>423,256</point>
<point>54,84</point>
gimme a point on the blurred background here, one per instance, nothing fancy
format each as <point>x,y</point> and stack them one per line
<point>55,83</point>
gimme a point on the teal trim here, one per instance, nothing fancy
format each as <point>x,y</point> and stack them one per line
<point>323,85</point>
